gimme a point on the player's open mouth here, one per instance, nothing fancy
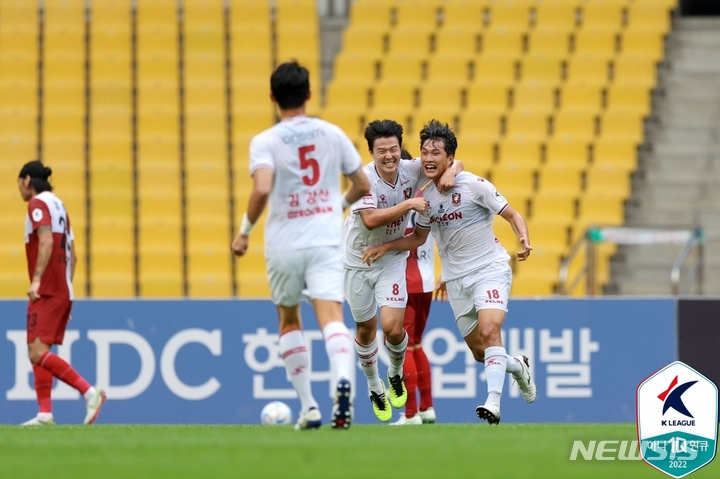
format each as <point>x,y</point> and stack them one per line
<point>389,164</point>
<point>430,167</point>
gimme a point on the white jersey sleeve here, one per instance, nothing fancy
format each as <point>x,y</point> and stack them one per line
<point>261,155</point>
<point>351,160</point>
<point>486,195</point>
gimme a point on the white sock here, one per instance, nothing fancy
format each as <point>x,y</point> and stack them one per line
<point>90,394</point>
<point>495,368</point>
<point>338,345</point>
<point>297,363</point>
<point>396,352</point>
<point>513,365</point>
<point>44,416</point>
<point>368,355</point>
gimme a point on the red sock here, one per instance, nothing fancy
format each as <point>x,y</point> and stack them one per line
<point>424,378</point>
<point>43,386</point>
<point>410,384</point>
<point>63,371</point>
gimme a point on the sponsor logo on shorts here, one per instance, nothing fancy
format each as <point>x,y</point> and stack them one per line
<point>494,301</point>
<point>395,299</point>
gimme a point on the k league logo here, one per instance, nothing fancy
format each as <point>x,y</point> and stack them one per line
<point>677,420</point>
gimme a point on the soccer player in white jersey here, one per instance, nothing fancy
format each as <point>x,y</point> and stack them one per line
<point>297,165</point>
<point>381,216</point>
<point>474,264</point>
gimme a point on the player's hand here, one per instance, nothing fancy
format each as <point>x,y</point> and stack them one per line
<point>418,204</point>
<point>526,248</point>
<point>447,181</point>
<point>373,254</point>
<point>440,293</point>
<point>32,291</point>
<point>240,245</point>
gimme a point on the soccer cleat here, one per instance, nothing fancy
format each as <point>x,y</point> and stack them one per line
<point>398,392</point>
<point>312,419</point>
<point>381,405</point>
<point>525,382</point>
<point>416,420</point>
<point>428,416</point>
<point>489,412</point>
<point>36,421</point>
<point>342,408</point>
<point>93,407</point>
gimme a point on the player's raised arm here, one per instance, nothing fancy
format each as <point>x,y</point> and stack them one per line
<point>406,243</point>
<point>262,187</point>
<point>375,218</point>
<point>359,188</point>
<point>518,225</point>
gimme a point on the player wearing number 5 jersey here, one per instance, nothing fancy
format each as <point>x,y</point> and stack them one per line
<point>297,165</point>
<point>51,264</point>
<point>474,264</point>
<point>381,216</point>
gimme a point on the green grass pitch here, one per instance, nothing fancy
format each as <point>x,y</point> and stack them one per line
<point>509,451</point>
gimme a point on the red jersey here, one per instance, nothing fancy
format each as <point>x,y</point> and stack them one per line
<point>46,209</point>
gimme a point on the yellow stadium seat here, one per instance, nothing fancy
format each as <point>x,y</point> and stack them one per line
<point>604,179</point>
<point>540,69</point>
<point>350,95</point>
<point>157,66</point>
<point>491,98</point>
<point>505,234</point>
<point>350,121</point>
<point>534,97</point>
<point>243,12</point>
<point>481,124</point>
<point>509,15</point>
<point>18,68</point>
<point>640,43</point>
<point>514,181</point>
<point>632,70</point>
<point>553,208</point>
<point>402,68</point>
<point>457,42</point>
<point>476,152</point>
<point>450,70</point>
<point>588,71</point>
<point>356,67</point>
<point>629,99</point>
<point>463,15</point>
<point>618,154</point>
<point>601,210</point>
<point>18,122</point>
<point>371,12</point>
<point>559,179</point>
<point>159,121</point>
<point>556,16</point>
<point>549,43</point>
<point>394,94</point>
<point>502,71</point>
<point>566,153</point>
<point>525,126</point>
<point>581,97</point>
<point>373,40</point>
<point>548,237</point>
<point>519,152</point>
<point>159,148</point>
<point>410,42</point>
<point>601,15</point>
<point>649,16</point>
<point>442,96</point>
<point>417,15</point>
<point>597,43</point>
<point>502,42</point>
<point>158,12</point>
<point>574,125</point>
<point>14,147</point>
<point>20,13</point>
<point>622,126</point>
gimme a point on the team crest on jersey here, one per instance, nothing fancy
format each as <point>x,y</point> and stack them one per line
<point>456,199</point>
<point>407,192</point>
<point>37,214</point>
<point>383,199</point>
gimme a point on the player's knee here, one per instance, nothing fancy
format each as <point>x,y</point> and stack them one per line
<point>489,334</point>
<point>35,354</point>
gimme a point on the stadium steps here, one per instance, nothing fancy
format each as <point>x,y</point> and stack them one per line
<point>678,184</point>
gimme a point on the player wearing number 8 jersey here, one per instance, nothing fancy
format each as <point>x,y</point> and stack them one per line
<point>297,165</point>
<point>51,264</point>
<point>474,264</point>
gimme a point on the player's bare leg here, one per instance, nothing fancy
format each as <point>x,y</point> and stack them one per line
<point>339,347</point>
<point>296,358</point>
<point>42,358</point>
<point>396,341</point>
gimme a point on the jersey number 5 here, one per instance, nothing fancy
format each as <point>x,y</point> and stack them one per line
<point>311,163</point>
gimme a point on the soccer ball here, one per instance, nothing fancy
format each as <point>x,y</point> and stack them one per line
<point>275,413</point>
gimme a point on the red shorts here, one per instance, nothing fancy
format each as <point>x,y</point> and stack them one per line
<point>416,315</point>
<point>47,319</point>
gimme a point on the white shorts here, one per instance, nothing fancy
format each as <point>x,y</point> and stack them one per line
<point>310,273</point>
<point>366,289</point>
<point>488,288</point>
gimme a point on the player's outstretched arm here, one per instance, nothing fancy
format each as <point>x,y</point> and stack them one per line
<point>517,222</point>
<point>262,186</point>
<point>45,246</point>
<point>376,218</point>
<point>406,243</point>
<point>359,188</point>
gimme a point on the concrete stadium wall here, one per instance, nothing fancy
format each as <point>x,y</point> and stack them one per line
<point>217,361</point>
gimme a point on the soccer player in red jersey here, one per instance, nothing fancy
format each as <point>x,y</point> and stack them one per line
<point>51,264</point>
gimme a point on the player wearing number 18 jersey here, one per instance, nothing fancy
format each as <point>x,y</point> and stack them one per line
<point>474,264</point>
<point>51,263</point>
<point>297,164</point>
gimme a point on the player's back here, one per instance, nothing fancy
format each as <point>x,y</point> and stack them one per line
<point>308,157</point>
<point>46,209</point>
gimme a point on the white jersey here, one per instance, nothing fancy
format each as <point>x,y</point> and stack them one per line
<point>308,156</point>
<point>420,271</point>
<point>461,221</point>
<point>381,195</point>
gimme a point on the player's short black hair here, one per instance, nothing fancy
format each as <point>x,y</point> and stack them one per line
<point>405,155</point>
<point>290,85</point>
<point>383,129</point>
<point>38,174</point>
<point>435,130</point>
